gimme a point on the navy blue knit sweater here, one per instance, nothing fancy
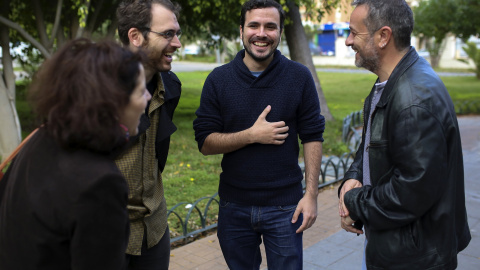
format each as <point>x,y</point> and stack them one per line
<point>232,99</point>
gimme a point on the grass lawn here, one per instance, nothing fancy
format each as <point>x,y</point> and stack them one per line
<point>189,175</point>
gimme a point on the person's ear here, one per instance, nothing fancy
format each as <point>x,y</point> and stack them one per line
<point>135,37</point>
<point>241,33</point>
<point>385,36</point>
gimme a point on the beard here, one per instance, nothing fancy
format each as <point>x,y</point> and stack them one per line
<point>260,58</point>
<point>155,58</point>
<point>368,57</point>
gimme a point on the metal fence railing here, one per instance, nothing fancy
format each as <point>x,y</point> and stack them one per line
<point>351,130</point>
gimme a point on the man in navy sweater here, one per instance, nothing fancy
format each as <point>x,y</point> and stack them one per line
<point>251,111</point>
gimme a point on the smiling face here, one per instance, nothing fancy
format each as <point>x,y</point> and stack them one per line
<point>137,104</point>
<point>159,49</point>
<point>367,55</point>
<point>260,35</point>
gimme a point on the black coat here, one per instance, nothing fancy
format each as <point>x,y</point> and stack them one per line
<point>414,211</point>
<point>62,209</point>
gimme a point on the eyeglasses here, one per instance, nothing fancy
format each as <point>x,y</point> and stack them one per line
<point>168,35</point>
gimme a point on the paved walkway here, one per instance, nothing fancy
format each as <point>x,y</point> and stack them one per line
<point>326,246</point>
<point>344,250</point>
<point>206,254</point>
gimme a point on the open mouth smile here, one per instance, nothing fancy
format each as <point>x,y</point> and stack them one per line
<point>260,44</point>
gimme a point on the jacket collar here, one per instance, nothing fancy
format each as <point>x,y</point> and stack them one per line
<point>172,86</point>
<point>267,79</point>
<point>405,63</point>
<point>170,81</point>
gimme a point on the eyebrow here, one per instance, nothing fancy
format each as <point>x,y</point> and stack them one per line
<point>252,23</point>
<point>166,30</point>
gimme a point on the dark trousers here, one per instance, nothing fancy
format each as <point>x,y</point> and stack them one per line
<point>154,258</point>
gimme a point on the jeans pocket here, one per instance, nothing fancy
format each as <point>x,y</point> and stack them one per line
<point>287,208</point>
<point>223,203</point>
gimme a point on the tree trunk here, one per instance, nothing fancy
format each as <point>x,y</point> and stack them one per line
<point>112,28</point>
<point>434,61</point>
<point>10,132</point>
<point>300,52</point>
<point>41,29</point>
<point>435,47</point>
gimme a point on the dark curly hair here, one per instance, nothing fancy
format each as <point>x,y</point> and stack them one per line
<point>254,4</point>
<point>138,14</point>
<point>80,93</point>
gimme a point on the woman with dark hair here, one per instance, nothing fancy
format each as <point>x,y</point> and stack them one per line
<point>63,200</point>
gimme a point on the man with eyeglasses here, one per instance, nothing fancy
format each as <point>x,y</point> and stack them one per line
<point>150,25</point>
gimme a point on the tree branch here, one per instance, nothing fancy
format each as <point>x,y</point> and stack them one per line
<point>42,30</point>
<point>8,85</point>
<point>28,37</point>
<point>81,28</point>
<point>8,78</point>
<point>112,28</point>
<point>93,19</point>
<point>56,24</point>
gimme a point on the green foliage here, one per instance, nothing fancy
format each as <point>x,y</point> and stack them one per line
<point>473,53</point>
<point>467,19</point>
<point>430,18</point>
<point>431,25</point>
<point>200,19</point>
<point>83,13</point>
<point>200,58</point>
<point>24,110</point>
<point>313,10</point>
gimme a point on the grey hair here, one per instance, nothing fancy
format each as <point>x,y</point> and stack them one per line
<point>395,14</point>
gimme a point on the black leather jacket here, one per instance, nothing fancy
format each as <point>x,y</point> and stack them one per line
<point>414,211</point>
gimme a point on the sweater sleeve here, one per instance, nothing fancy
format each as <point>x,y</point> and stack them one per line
<point>311,123</point>
<point>208,114</point>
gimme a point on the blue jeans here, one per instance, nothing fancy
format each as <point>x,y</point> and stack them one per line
<point>240,231</point>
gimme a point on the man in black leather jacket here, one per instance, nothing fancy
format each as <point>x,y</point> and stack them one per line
<point>406,184</point>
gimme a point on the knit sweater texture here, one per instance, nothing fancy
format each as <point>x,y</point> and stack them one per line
<point>232,100</point>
